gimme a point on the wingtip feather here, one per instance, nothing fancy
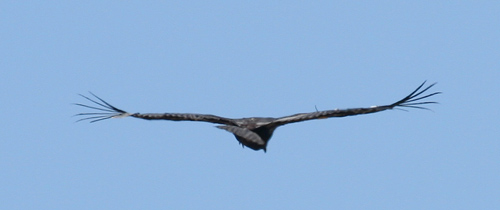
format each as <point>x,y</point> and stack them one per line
<point>108,110</point>
<point>413,100</point>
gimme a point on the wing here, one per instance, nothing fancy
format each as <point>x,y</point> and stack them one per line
<point>108,111</point>
<point>413,100</point>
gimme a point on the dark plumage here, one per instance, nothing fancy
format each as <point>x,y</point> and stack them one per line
<point>254,132</point>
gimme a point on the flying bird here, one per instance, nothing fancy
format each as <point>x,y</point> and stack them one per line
<point>253,132</point>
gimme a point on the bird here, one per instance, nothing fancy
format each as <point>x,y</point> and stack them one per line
<point>252,132</point>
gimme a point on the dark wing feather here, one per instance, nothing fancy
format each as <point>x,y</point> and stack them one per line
<point>109,111</point>
<point>413,100</point>
<point>185,117</point>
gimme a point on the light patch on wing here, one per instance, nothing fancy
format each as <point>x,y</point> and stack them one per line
<point>122,115</point>
<point>290,118</point>
<point>325,117</point>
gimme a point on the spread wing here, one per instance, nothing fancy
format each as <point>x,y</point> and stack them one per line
<point>413,100</point>
<point>108,111</point>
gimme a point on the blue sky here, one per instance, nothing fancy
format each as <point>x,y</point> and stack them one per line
<point>250,58</point>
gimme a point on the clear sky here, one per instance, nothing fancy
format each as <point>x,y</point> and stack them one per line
<point>251,58</point>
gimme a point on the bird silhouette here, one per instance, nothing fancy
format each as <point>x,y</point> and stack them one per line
<point>253,132</point>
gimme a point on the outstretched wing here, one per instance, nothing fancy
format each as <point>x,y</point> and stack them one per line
<point>109,111</point>
<point>413,100</point>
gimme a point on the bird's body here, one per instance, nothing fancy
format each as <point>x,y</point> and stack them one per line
<point>254,132</point>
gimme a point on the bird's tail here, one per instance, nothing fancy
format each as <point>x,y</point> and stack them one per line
<point>107,110</point>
